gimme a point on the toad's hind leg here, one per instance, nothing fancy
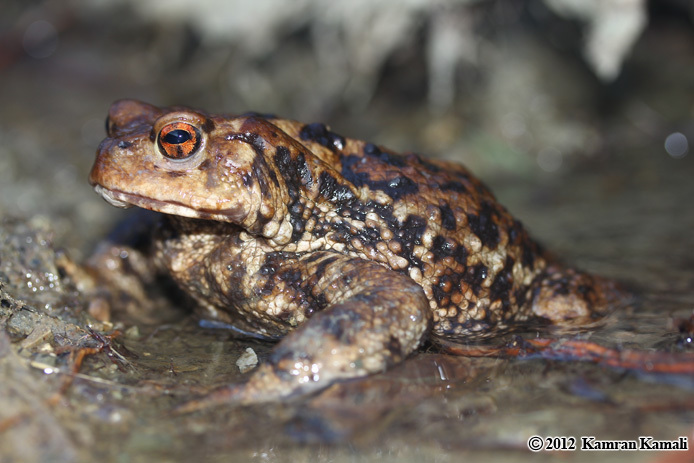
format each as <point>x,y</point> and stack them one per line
<point>567,296</point>
<point>375,317</point>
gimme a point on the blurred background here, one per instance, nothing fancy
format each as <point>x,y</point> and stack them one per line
<point>530,90</point>
<point>579,114</point>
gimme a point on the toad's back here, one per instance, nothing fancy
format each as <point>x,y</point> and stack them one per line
<point>440,225</point>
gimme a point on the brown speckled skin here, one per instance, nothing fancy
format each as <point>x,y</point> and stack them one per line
<point>351,253</point>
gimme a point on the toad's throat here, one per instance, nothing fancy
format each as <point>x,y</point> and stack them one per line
<point>126,200</point>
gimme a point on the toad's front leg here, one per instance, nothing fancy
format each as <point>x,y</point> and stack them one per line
<point>375,317</point>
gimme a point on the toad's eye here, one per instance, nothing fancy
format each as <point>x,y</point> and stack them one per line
<point>179,140</point>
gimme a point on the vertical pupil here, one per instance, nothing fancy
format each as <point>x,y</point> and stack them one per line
<point>176,137</point>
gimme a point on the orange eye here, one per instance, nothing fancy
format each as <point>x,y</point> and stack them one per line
<point>179,140</point>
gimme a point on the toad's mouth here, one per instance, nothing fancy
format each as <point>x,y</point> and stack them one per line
<point>114,197</point>
<point>126,200</point>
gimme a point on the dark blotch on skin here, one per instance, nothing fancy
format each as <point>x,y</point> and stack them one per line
<point>304,171</point>
<point>371,150</point>
<point>320,134</point>
<point>260,168</point>
<point>298,223</point>
<point>208,126</point>
<point>251,138</point>
<point>396,187</point>
<point>272,268</point>
<point>329,188</point>
<point>458,187</point>
<point>283,160</point>
<point>175,173</point>
<point>291,170</point>
<point>295,172</point>
<point>482,224</point>
<point>389,158</point>
<point>273,177</point>
<point>500,288</point>
<point>124,144</point>
<point>358,179</point>
<point>441,248</point>
<point>413,229</point>
<point>475,276</point>
<point>515,231</point>
<point>267,269</point>
<point>247,180</point>
<point>528,256</point>
<point>447,217</point>
<point>409,234</point>
<point>561,286</point>
<point>292,276</point>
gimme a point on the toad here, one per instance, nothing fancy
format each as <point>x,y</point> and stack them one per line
<point>347,253</point>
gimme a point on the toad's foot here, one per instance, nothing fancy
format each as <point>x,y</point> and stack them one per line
<point>376,318</point>
<point>565,296</point>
